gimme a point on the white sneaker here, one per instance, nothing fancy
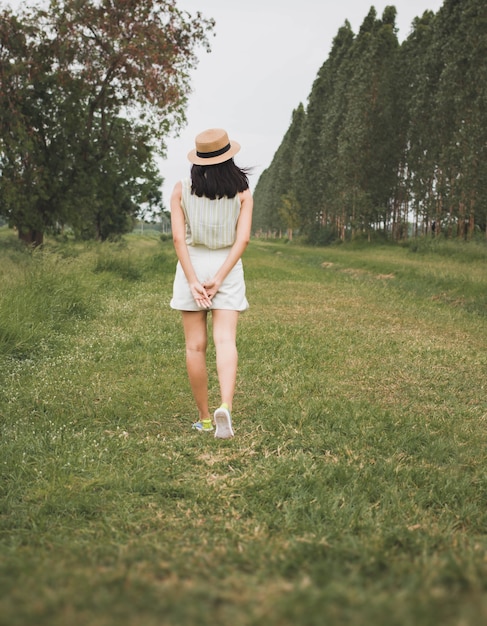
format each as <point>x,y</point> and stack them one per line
<point>223,421</point>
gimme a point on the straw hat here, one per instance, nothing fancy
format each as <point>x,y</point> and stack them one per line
<point>213,146</point>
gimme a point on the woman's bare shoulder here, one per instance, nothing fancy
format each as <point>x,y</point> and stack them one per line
<point>245,195</point>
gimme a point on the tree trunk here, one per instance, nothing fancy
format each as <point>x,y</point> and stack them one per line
<point>471,220</point>
<point>31,237</point>
<point>461,220</point>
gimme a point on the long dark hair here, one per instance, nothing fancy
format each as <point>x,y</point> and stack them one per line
<point>220,180</point>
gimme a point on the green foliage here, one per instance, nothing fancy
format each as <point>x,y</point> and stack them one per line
<point>353,493</point>
<point>45,293</point>
<point>391,131</point>
<point>89,92</point>
<point>277,181</point>
<point>462,251</point>
<point>39,300</point>
<point>289,212</point>
<point>322,235</point>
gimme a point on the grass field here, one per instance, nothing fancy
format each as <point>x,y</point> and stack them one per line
<point>354,492</point>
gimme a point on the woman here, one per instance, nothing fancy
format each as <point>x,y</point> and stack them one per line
<point>211,217</point>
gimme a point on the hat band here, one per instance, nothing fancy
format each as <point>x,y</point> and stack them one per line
<point>215,153</point>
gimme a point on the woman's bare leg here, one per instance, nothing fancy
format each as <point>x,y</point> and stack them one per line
<point>195,333</point>
<point>225,338</point>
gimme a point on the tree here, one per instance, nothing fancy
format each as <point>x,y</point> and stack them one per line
<point>460,106</point>
<point>315,175</point>
<point>89,91</point>
<point>128,179</point>
<point>368,149</point>
<point>277,180</point>
<point>289,210</point>
<point>445,60</point>
<point>389,129</point>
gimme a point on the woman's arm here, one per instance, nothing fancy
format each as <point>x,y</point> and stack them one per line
<point>178,227</point>
<point>242,238</point>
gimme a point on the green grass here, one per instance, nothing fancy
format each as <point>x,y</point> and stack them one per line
<point>354,491</point>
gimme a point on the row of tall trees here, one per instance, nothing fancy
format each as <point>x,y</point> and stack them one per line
<point>394,136</point>
<point>89,89</point>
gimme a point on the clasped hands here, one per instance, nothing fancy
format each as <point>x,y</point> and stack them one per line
<point>203,293</point>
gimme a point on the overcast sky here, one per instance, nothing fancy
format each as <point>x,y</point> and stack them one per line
<point>265,56</point>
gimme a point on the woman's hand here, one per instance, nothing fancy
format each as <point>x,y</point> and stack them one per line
<point>200,295</point>
<point>212,286</point>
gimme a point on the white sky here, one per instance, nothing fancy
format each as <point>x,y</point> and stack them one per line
<point>265,57</point>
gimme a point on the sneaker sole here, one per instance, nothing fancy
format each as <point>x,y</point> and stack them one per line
<point>223,423</point>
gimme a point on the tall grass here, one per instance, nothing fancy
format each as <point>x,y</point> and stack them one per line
<point>353,493</point>
<point>39,298</point>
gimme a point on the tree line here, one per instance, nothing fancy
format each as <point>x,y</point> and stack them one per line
<point>393,139</point>
<point>89,90</point>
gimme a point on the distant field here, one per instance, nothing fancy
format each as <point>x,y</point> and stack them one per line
<point>354,491</point>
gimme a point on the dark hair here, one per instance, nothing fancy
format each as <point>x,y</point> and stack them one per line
<point>218,181</point>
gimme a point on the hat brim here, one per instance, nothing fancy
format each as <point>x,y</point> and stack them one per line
<point>226,156</point>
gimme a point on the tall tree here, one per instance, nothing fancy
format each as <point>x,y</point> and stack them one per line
<point>390,131</point>
<point>317,144</point>
<point>69,77</point>
<point>446,62</point>
<point>460,107</point>
<point>368,152</point>
<point>420,72</point>
<point>289,212</point>
<point>277,180</point>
